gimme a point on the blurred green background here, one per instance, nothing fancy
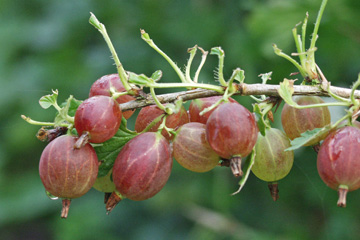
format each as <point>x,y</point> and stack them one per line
<point>48,45</point>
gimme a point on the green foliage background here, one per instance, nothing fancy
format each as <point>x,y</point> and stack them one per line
<point>48,45</point>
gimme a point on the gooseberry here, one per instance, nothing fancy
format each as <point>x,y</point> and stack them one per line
<point>296,121</point>
<point>338,161</point>
<point>99,117</point>
<point>272,162</point>
<point>148,114</point>
<point>198,105</point>
<point>141,169</point>
<point>102,87</point>
<point>231,131</point>
<point>191,149</point>
<point>67,172</point>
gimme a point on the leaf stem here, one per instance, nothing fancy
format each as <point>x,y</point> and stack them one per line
<point>354,87</point>
<point>192,52</point>
<point>162,125</point>
<point>115,94</point>
<point>221,55</point>
<point>317,24</point>
<point>151,43</point>
<point>303,35</point>
<point>231,89</point>
<point>122,74</point>
<point>311,55</point>
<point>321,105</point>
<point>33,122</point>
<point>336,97</point>
<point>340,120</point>
<point>280,53</point>
<point>203,59</point>
<point>213,106</point>
<point>298,43</point>
<point>189,85</point>
<point>156,100</point>
<point>153,123</point>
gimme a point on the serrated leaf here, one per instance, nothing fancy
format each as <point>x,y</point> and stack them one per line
<point>246,168</point>
<point>49,100</point>
<point>308,136</point>
<point>109,150</point>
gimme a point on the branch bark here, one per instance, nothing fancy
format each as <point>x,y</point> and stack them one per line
<point>244,90</point>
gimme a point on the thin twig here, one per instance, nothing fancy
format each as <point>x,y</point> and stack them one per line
<point>243,90</point>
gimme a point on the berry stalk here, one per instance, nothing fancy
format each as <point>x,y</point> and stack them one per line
<point>343,190</point>
<point>101,27</point>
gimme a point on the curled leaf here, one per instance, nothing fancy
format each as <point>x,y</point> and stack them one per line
<point>286,91</point>
<point>217,51</point>
<point>238,75</point>
<point>261,122</point>
<point>49,100</point>
<point>140,79</point>
<point>94,21</point>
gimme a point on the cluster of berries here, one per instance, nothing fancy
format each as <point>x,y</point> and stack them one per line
<point>198,140</point>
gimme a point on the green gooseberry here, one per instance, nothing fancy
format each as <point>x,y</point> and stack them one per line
<point>272,162</point>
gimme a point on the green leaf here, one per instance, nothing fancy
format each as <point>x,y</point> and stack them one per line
<point>156,76</point>
<point>217,51</point>
<point>260,119</point>
<point>145,36</point>
<point>178,105</point>
<point>170,108</point>
<point>277,50</point>
<point>309,136</point>
<point>249,162</point>
<point>68,109</point>
<point>94,21</point>
<point>72,105</point>
<point>265,77</point>
<point>290,59</point>
<point>240,75</point>
<point>109,150</point>
<point>193,50</point>
<point>286,91</point>
<point>49,100</point>
<point>61,116</point>
<point>140,79</point>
